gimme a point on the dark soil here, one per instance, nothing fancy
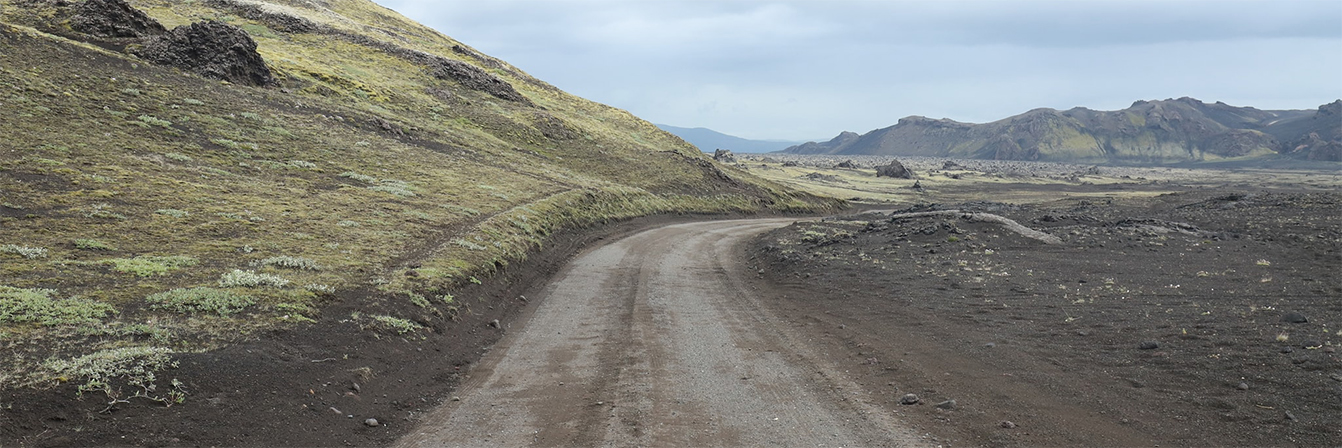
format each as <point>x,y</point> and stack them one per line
<point>211,49</point>
<point>314,385</point>
<point>1201,318</point>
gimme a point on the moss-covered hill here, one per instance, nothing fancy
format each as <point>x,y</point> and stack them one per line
<point>1148,132</point>
<point>149,208</point>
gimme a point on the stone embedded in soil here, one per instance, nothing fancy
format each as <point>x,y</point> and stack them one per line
<point>494,323</point>
<point>1312,345</point>
<point>1287,349</point>
<point>1242,386</point>
<point>372,422</point>
<point>1007,424</point>
<point>908,399</point>
<point>1294,317</point>
<point>1336,376</point>
<point>1149,345</point>
<point>948,404</point>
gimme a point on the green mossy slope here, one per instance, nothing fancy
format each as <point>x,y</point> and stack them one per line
<point>148,208</point>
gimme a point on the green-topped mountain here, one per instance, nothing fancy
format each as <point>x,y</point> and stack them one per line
<point>1165,131</point>
<point>178,177</point>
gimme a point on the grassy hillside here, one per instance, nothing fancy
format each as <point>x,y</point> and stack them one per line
<point>147,211</point>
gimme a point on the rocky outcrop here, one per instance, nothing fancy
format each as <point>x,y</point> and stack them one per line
<point>113,19</point>
<point>894,169</point>
<point>724,156</point>
<point>473,77</point>
<point>211,49</point>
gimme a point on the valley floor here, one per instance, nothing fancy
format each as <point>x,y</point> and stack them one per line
<point>1193,318</point>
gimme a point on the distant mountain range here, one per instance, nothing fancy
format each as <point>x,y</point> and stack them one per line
<point>709,140</point>
<point>1165,131</point>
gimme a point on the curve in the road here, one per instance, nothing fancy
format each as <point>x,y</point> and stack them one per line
<point>656,340</point>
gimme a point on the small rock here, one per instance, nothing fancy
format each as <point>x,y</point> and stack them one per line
<point>356,388</point>
<point>1294,317</point>
<point>456,398</point>
<point>1007,424</point>
<point>990,344</point>
<point>1137,384</point>
<point>1242,386</point>
<point>494,323</point>
<point>1312,345</point>
<point>372,422</point>
<point>1149,345</point>
<point>948,405</point>
<point>1291,417</point>
<point>908,399</point>
<point>1287,349</point>
<point>1336,376</point>
<point>336,411</point>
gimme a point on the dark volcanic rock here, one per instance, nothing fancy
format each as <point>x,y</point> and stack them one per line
<point>895,170</point>
<point>211,49</point>
<point>846,164</point>
<point>473,77</point>
<point>1294,317</point>
<point>724,156</point>
<point>273,20</point>
<point>113,19</point>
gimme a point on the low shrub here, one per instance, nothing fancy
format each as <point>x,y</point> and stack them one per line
<point>248,279</point>
<point>200,300</point>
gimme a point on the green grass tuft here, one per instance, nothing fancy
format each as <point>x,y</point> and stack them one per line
<point>149,266</point>
<point>36,305</point>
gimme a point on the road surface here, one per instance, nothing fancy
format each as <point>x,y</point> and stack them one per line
<point>656,340</point>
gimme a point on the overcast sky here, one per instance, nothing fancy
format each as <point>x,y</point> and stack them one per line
<point>806,70</point>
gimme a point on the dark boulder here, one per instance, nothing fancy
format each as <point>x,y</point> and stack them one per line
<point>724,156</point>
<point>211,49</point>
<point>113,19</point>
<point>846,164</point>
<point>894,169</point>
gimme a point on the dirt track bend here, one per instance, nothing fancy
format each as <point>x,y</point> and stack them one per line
<point>655,340</point>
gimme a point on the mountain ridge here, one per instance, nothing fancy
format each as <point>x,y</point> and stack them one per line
<point>1162,131</point>
<point>708,140</point>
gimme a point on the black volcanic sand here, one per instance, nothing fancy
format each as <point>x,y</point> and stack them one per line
<point>1200,318</point>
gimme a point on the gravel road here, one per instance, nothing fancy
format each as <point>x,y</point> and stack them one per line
<point>656,340</point>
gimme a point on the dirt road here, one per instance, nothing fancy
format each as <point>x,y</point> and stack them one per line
<point>655,340</point>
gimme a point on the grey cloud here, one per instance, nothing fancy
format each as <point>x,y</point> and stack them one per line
<point>808,69</point>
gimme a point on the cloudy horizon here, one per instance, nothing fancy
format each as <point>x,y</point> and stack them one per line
<point>807,70</point>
